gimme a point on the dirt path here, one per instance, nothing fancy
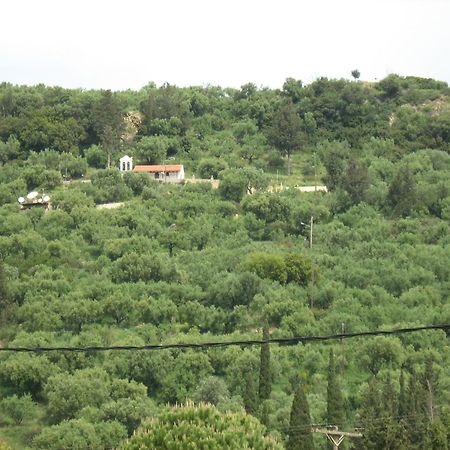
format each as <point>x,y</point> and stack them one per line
<point>110,205</point>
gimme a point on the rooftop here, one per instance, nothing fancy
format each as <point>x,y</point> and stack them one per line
<point>160,168</point>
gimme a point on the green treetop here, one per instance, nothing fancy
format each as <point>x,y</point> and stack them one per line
<point>300,435</point>
<point>201,427</point>
<point>335,402</point>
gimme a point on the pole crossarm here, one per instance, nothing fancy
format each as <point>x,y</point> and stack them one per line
<point>335,436</point>
<point>335,441</point>
<point>332,432</point>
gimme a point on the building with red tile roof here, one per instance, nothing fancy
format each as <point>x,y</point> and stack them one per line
<point>169,173</point>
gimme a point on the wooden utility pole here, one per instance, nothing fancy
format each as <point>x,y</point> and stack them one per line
<point>315,172</point>
<point>311,232</point>
<point>335,436</point>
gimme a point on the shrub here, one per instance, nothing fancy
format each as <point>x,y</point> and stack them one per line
<point>199,427</point>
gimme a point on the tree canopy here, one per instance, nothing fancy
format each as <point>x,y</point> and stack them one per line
<point>124,260</point>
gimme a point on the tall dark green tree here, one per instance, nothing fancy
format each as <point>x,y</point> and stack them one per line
<point>285,134</point>
<point>3,284</point>
<point>153,149</point>
<point>250,398</point>
<point>300,435</point>
<point>356,180</point>
<point>416,419</point>
<point>108,122</point>
<point>310,128</point>
<point>166,111</point>
<point>356,74</point>
<point>335,402</point>
<point>3,294</point>
<point>389,398</point>
<point>334,156</point>
<point>392,429</point>
<point>293,89</point>
<point>265,375</point>
<point>370,416</point>
<point>402,397</point>
<point>402,194</point>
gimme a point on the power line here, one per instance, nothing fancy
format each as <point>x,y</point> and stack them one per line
<point>205,345</point>
<point>378,422</point>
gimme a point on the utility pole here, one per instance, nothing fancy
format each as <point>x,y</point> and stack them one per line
<point>315,172</point>
<point>311,232</point>
<point>335,436</point>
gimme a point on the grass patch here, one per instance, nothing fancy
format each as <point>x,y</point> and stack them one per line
<point>302,171</point>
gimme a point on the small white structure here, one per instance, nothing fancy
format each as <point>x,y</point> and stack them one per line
<point>166,173</point>
<point>126,163</point>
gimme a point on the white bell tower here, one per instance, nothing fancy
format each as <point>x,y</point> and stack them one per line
<point>126,164</point>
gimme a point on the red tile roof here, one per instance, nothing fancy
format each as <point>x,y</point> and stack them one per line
<point>161,168</point>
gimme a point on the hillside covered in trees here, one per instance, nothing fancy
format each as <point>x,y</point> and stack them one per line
<point>189,263</point>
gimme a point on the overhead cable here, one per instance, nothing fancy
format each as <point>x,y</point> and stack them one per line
<point>205,345</point>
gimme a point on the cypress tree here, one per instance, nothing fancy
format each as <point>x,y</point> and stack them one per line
<point>389,397</point>
<point>285,134</point>
<point>250,400</point>
<point>265,378</point>
<point>356,180</point>
<point>3,290</point>
<point>370,415</point>
<point>264,410</point>
<point>108,122</point>
<point>402,398</point>
<point>416,415</point>
<point>335,403</point>
<point>300,434</point>
<point>392,430</point>
<point>402,195</point>
<point>3,293</point>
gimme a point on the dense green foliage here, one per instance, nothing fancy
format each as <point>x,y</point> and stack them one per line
<point>199,428</point>
<point>191,263</point>
<point>335,403</point>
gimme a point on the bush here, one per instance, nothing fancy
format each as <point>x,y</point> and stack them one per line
<point>38,177</point>
<point>68,200</point>
<point>268,266</point>
<point>299,269</point>
<point>110,186</point>
<point>18,408</point>
<point>96,157</point>
<point>211,390</point>
<point>199,427</point>
<point>78,434</point>
<point>211,167</point>
<point>133,267</point>
<point>137,182</point>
